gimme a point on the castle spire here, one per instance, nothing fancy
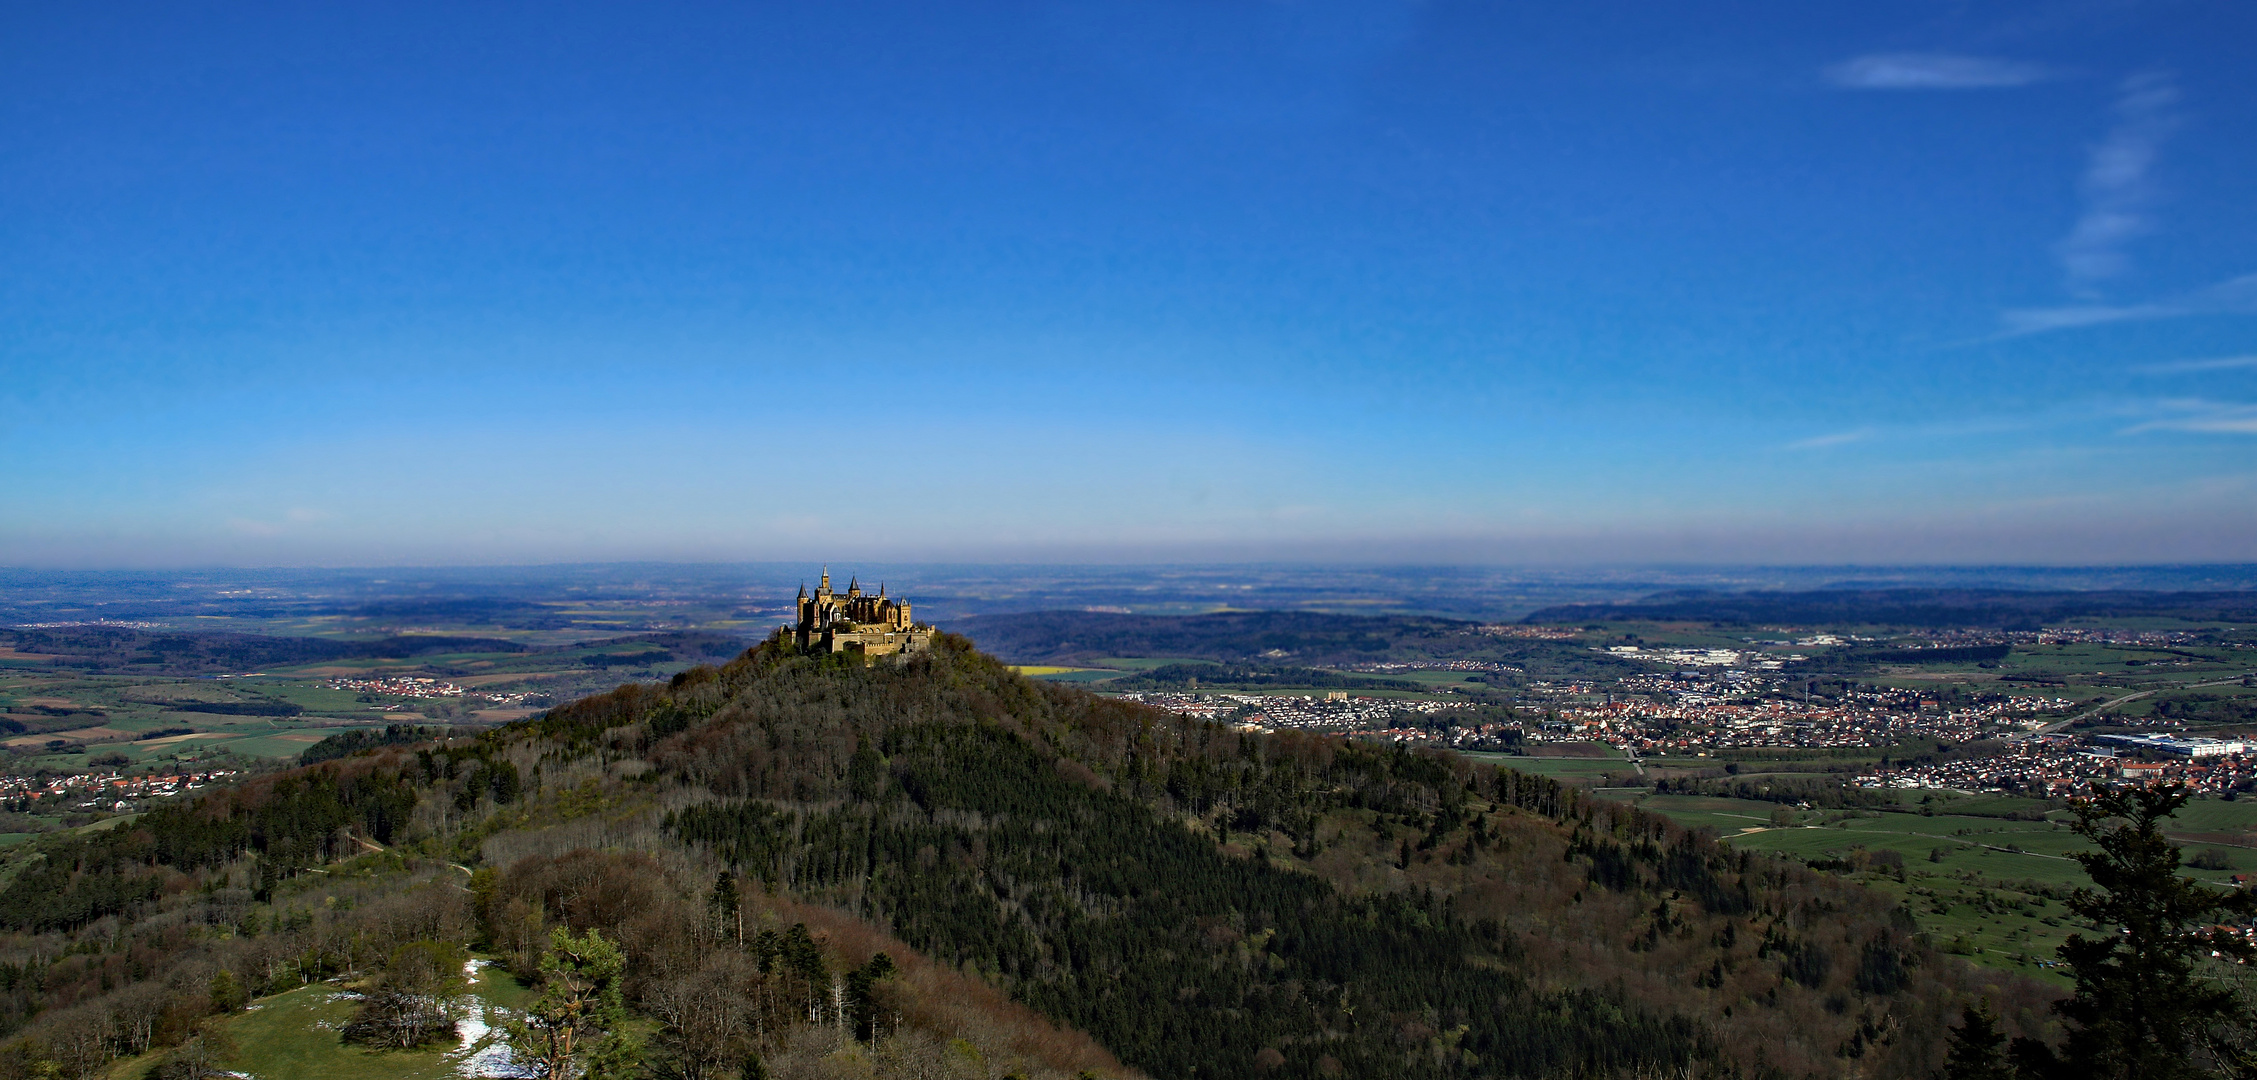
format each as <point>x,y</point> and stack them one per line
<point>826,586</point>
<point>803,590</point>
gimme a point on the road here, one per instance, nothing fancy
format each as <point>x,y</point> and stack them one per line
<point>2113,702</point>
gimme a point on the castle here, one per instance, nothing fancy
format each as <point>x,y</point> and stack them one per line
<point>872,625</point>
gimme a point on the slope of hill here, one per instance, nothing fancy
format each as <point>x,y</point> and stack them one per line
<point>1060,883</point>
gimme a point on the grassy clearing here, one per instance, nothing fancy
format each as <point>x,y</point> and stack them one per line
<point>294,1036</point>
<point>1977,883</point>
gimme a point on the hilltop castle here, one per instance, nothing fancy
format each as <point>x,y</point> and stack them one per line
<point>851,622</point>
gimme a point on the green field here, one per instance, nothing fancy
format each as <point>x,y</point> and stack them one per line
<point>1147,663</point>
<point>1078,675</point>
<point>295,1035</point>
<point>1977,883</point>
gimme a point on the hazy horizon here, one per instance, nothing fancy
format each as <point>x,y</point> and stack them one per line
<point>679,595</point>
<point>1326,281</point>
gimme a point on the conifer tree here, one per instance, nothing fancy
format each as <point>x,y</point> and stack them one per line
<point>727,906</point>
<point>572,1031</point>
<point>2141,1008</point>
<point>1976,1049</point>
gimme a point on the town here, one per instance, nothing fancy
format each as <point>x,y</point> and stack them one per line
<point>1333,711</point>
<point>104,790</point>
<point>399,686</point>
<point>1714,702</point>
<point>406,686</point>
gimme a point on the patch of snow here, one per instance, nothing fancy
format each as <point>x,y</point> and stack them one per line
<point>483,1053</point>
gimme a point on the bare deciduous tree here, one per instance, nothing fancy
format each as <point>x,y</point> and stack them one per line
<point>707,1013</point>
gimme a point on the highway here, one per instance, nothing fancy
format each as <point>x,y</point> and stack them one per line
<point>2113,702</point>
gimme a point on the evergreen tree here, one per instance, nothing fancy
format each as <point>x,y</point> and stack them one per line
<point>1976,1049</point>
<point>727,907</point>
<point>2141,1009</point>
<point>573,1030</point>
<point>863,1006</point>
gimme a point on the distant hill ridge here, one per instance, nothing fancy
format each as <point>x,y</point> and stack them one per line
<point>203,651</point>
<point>1308,637</point>
<point>194,650</point>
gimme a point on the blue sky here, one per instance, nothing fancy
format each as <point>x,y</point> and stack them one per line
<point>1726,282</point>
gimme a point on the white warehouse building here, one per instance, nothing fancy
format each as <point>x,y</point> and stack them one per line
<point>2182,745</point>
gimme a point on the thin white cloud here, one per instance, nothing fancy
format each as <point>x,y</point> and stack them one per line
<point>2203,417</point>
<point>2179,367</point>
<point>2116,188</point>
<point>1933,71</point>
<point>2022,321</point>
<point>2235,296</point>
<point>1839,438</point>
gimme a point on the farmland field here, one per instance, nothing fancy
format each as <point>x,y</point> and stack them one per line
<point>1976,882</point>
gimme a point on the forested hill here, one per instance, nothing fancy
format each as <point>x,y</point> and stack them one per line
<point>1056,883</point>
<point>1210,902</point>
<point>2004,608</point>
